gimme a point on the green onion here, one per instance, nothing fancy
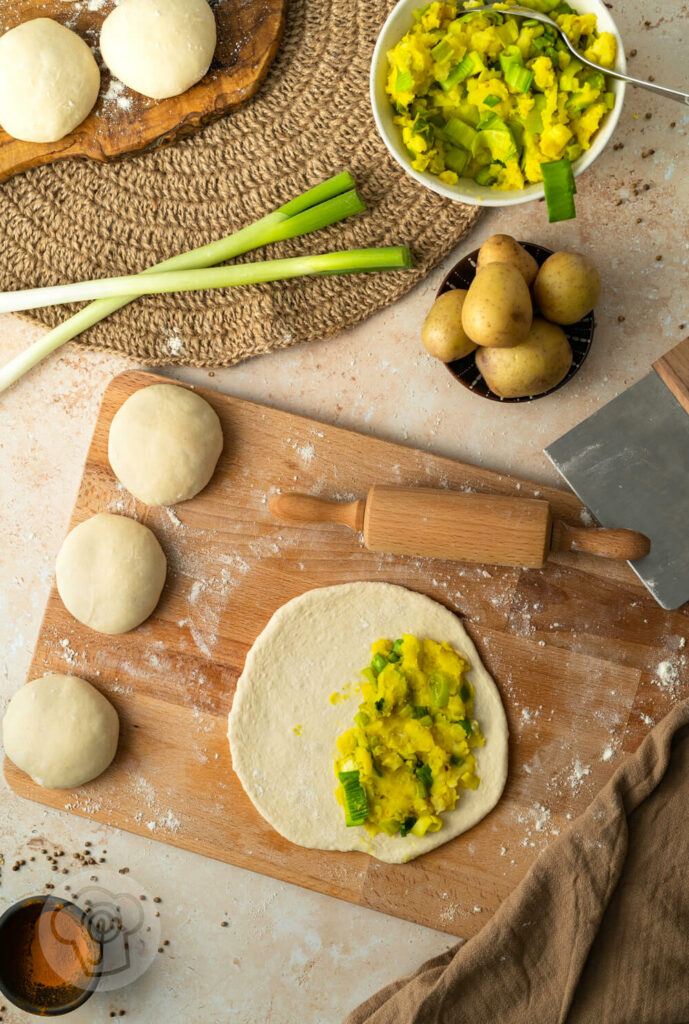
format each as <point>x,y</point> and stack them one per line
<point>420,711</point>
<point>368,675</point>
<point>518,77</point>
<point>426,720</point>
<point>390,826</point>
<point>455,159</point>
<point>380,704</point>
<point>362,719</point>
<point>484,176</point>
<point>350,261</point>
<point>469,65</point>
<point>378,664</point>
<point>440,688</point>
<point>355,801</point>
<point>466,725</point>
<point>441,51</point>
<point>459,132</point>
<point>456,761</point>
<point>465,693</point>
<point>558,181</point>
<point>511,55</point>
<point>491,100</point>
<point>425,776</point>
<point>397,646</point>
<point>404,81</point>
<point>407,825</point>
<point>325,204</point>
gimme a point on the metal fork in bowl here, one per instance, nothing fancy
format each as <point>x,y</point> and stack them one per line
<point>524,12</point>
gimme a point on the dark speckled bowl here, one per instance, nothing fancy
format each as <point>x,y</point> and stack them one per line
<point>579,335</point>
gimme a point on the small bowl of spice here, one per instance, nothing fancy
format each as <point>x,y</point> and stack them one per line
<point>49,961</point>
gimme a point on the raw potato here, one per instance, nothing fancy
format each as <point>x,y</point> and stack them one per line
<point>497,310</point>
<point>110,573</point>
<point>505,249</point>
<point>535,366</point>
<point>49,81</point>
<point>164,444</point>
<point>442,332</point>
<point>567,287</point>
<point>159,48</point>
<point>61,731</point>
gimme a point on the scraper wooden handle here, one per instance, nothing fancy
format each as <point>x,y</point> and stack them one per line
<point>489,528</point>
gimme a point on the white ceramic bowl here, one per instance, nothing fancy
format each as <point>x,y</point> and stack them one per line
<point>398,23</point>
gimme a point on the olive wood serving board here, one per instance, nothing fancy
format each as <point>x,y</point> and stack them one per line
<point>124,121</point>
<point>573,647</point>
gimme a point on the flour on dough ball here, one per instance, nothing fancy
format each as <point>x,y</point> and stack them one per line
<point>49,81</point>
<point>159,47</point>
<point>110,572</point>
<point>61,731</point>
<point>164,444</point>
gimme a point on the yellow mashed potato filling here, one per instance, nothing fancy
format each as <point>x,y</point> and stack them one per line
<point>409,754</point>
<point>492,97</point>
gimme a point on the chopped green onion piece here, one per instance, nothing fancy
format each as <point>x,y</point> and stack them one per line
<point>420,711</point>
<point>407,825</point>
<point>519,78</point>
<point>380,704</point>
<point>457,761</point>
<point>511,55</point>
<point>355,800</point>
<point>440,688</point>
<point>404,81</point>
<point>378,664</point>
<point>390,826</point>
<point>425,776</point>
<point>466,725</point>
<point>442,51</point>
<point>484,176</point>
<point>558,181</point>
<point>465,693</point>
<point>459,132</point>
<point>491,100</point>
<point>456,159</point>
<point>368,674</point>
<point>397,646</point>
<point>470,64</point>
<point>426,720</point>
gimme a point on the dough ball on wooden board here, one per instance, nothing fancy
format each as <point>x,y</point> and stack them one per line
<point>49,81</point>
<point>313,645</point>
<point>164,444</point>
<point>110,572</point>
<point>61,731</point>
<point>159,47</point>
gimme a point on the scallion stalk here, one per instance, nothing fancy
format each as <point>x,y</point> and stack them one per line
<point>559,186</point>
<point>321,206</point>
<point>394,257</point>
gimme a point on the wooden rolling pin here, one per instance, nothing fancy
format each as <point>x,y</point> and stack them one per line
<point>489,528</point>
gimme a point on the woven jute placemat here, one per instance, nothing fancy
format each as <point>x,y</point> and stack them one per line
<point>72,221</point>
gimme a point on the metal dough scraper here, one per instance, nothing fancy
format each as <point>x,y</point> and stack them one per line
<point>629,464</point>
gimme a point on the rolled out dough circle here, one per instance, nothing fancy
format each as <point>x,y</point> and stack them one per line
<point>164,444</point>
<point>311,647</point>
<point>49,81</point>
<point>61,731</point>
<point>159,48</point>
<point>110,572</point>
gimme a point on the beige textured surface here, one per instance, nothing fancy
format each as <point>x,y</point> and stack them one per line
<point>324,957</point>
<point>312,119</point>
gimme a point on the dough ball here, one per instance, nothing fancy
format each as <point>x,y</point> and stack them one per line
<point>61,731</point>
<point>110,572</point>
<point>49,81</point>
<point>159,47</point>
<point>164,444</point>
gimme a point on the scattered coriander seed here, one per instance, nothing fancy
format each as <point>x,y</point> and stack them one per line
<point>211,373</point>
<point>157,899</point>
<point>682,326</point>
<point>122,1012</point>
<point>646,187</point>
<point>632,53</point>
<point>639,220</point>
<point>166,942</point>
<point>142,897</point>
<point>124,871</point>
<point>87,843</point>
<point>160,949</point>
<point>659,258</point>
<point>620,319</point>
<point>113,1013</point>
<point>49,885</point>
<point>32,858</point>
<point>224,924</point>
<point>157,913</point>
<point>618,145</point>
<point>651,78</point>
<point>101,860</point>
<point>648,115</point>
<point>672,124</point>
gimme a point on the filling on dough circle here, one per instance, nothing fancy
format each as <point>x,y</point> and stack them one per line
<point>164,444</point>
<point>285,722</point>
<point>159,48</point>
<point>49,81</point>
<point>61,731</point>
<point>110,573</point>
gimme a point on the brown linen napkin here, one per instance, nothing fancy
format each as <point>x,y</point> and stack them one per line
<point>598,930</point>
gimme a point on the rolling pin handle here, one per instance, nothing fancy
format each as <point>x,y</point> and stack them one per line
<point>623,544</point>
<point>304,508</point>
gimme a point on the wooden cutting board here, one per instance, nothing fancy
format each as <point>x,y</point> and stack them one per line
<point>574,648</point>
<point>123,121</point>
